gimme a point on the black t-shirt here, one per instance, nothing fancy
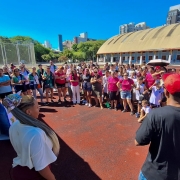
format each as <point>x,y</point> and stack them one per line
<point>86,78</point>
<point>161,128</point>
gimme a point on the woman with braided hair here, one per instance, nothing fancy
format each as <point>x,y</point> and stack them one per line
<point>35,143</point>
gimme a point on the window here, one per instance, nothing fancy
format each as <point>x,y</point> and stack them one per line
<point>143,58</point>
<point>164,57</point>
<point>123,58</point>
<point>150,58</point>
<point>157,57</point>
<point>178,57</point>
<point>133,58</point>
<point>138,58</point>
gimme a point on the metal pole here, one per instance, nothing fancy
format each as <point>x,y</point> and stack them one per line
<point>2,54</point>
<point>18,54</point>
<point>28,46</point>
<point>5,57</point>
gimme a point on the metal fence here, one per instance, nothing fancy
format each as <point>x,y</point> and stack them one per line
<point>17,53</point>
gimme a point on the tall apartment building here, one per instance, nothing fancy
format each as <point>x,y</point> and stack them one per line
<point>60,43</point>
<point>131,27</point>
<point>173,15</point>
<point>47,44</point>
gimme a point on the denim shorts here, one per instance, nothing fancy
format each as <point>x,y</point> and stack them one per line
<point>87,86</point>
<point>141,176</point>
<point>125,94</point>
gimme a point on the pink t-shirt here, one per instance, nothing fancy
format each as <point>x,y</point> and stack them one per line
<point>112,84</point>
<point>100,73</point>
<point>126,84</point>
<point>75,78</point>
<point>149,80</point>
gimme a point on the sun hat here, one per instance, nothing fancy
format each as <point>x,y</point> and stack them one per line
<point>172,82</point>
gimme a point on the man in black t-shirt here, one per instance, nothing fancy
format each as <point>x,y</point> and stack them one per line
<point>161,129</point>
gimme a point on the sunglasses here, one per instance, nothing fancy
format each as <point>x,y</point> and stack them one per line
<point>95,72</point>
<point>125,75</point>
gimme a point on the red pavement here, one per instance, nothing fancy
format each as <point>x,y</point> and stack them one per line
<point>95,144</point>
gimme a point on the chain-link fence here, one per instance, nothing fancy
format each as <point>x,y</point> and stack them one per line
<point>17,53</point>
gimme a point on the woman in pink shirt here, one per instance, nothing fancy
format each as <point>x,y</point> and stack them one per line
<point>74,80</point>
<point>113,90</point>
<point>126,85</point>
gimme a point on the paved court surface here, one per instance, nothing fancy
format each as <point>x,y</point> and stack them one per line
<point>95,144</point>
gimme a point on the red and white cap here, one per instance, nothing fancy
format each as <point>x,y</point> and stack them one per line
<point>172,82</point>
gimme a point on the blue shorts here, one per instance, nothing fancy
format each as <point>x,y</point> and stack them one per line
<point>87,86</point>
<point>125,94</point>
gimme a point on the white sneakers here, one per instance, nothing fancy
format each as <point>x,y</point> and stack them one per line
<point>88,104</point>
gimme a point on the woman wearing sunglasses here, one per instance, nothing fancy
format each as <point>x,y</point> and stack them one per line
<point>74,80</point>
<point>48,78</point>
<point>87,86</point>
<point>126,85</point>
<point>113,89</point>
<point>18,81</point>
<point>96,82</point>
<point>34,83</point>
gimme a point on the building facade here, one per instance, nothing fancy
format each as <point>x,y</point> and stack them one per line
<point>143,46</point>
<point>68,44</point>
<point>131,27</point>
<point>83,37</point>
<point>173,15</point>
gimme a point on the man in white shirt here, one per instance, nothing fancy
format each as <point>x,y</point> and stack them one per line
<point>53,67</point>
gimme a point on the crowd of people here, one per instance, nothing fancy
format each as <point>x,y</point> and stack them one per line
<point>127,87</point>
<point>115,86</point>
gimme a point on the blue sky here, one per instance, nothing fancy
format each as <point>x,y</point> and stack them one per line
<point>44,20</point>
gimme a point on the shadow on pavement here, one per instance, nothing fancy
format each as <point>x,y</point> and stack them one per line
<point>69,166</point>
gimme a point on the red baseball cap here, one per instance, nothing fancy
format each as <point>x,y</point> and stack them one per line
<point>172,82</point>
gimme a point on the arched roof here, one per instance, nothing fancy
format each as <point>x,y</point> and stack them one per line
<point>160,38</point>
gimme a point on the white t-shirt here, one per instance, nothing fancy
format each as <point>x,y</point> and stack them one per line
<point>140,91</point>
<point>26,76</point>
<point>53,68</point>
<point>32,145</point>
<point>105,83</point>
<point>146,109</point>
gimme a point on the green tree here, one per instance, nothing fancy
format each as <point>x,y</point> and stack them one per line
<point>74,47</point>
<point>5,39</point>
<point>79,55</point>
<point>46,57</point>
<point>39,51</point>
<point>62,58</point>
<point>68,53</point>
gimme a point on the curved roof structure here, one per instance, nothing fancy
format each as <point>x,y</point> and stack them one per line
<point>160,38</point>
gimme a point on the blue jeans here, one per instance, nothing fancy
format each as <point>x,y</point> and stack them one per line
<point>141,176</point>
